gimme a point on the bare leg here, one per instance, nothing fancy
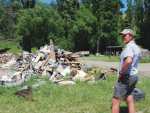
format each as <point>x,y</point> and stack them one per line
<point>130,102</point>
<point>115,104</point>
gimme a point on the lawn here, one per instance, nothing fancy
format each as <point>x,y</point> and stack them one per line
<point>109,59</point>
<point>12,47</point>
<point>82,97</point>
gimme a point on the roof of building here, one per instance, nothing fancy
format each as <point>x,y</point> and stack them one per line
<point>115,46</point>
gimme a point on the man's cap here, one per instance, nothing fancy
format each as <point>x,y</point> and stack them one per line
<point>126,31</point>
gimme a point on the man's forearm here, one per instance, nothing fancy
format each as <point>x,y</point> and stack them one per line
<point>126,65</point>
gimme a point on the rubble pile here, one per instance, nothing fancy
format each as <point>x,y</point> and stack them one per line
<point>48,61</point>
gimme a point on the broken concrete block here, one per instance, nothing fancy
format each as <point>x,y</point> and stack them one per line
<point>55,67</point>
<point>66,82</point>
<point>24,88</point>
<point>51,62</point>
<point>38,65</point>
<point>46,55</point>
<point>19,82</point>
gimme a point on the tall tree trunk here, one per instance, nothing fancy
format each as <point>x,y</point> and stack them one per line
<point>98,38</point>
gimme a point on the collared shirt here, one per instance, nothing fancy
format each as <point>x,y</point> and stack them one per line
<point>131,50</point>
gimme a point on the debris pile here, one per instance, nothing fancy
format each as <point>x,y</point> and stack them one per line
<point>48,61</point>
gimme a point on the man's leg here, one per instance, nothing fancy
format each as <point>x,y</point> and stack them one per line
<point>130,102</point>
<point>115,104</point>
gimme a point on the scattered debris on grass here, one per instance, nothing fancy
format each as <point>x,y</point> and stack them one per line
<point>60,66</point>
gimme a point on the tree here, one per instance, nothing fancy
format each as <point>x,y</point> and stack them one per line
<point>83,30</point>
<point>143,23</point>
<point>87,4</point>
<point>98,11</point>
<point>37,26</point>
<point>68,10</point>
<point>53,4</point>
<point>129,13</point>
<point>110,24</point>
<point>8,17</point>
<point>28,3</point>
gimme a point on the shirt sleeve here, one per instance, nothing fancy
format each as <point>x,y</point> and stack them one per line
<point>128,52</point>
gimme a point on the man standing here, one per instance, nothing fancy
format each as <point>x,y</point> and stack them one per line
<point>127,72</point>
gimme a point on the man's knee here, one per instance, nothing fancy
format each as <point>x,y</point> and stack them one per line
<point>116,100</point>
<point>129,99</point>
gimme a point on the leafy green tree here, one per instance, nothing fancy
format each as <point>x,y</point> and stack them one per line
<point>110,24</point>
<point>87,4</point>
<point>83,30</point>
<point>130,14</point>
<point>53,4</point>
<point>68,10</point>
<point>143,23</point>
<point>28,3</point>
<point>8,17</point>
<point>98,11</point>
<point>37,26</point>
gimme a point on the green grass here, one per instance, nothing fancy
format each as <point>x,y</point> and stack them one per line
<point>103,58</point>
<point>110,59</point>
<point>82,97</point>
<point>12,47</point>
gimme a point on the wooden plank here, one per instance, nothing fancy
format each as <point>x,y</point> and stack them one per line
<point>52,51</point>
<point>20,47</point>
<point>45,61</point>
<point>24,68</point>
<point>47,68</point>
<point>37,58</point>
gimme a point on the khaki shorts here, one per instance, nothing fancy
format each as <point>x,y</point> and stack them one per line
<point>121,89</point>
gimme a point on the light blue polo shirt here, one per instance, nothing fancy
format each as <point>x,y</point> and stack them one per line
<point>131,50</point>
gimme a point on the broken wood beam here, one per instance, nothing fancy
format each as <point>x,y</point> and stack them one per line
<point>52,51</point>
<point>20,47</point>
<point>24,68</point>
<point>45,61</point>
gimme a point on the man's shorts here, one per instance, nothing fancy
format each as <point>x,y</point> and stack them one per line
<point>121,90</point>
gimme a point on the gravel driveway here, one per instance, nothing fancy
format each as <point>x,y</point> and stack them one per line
<point>143,67</point>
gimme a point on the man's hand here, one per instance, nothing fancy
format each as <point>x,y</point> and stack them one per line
<point>120,77</point>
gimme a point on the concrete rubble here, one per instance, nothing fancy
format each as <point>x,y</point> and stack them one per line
<point>49,61</point>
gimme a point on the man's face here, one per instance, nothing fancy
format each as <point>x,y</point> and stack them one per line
<point>126,38</point>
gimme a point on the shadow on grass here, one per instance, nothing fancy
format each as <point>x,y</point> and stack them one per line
<point>4,50</point>
<point>124,109</point>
